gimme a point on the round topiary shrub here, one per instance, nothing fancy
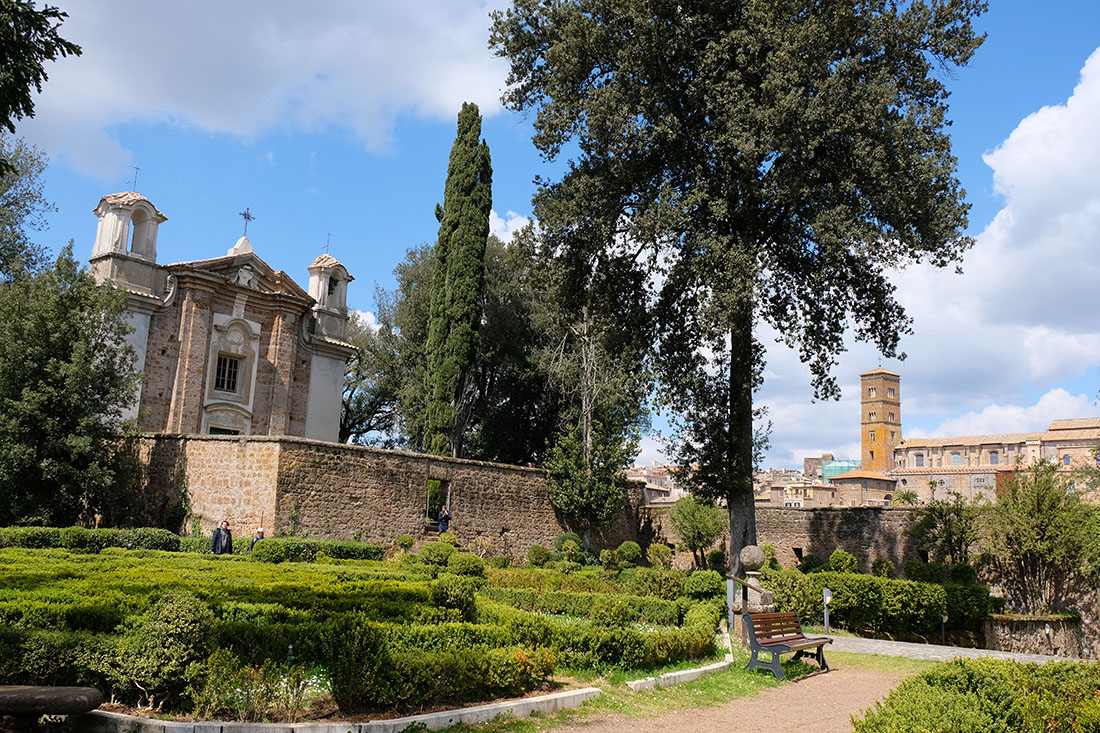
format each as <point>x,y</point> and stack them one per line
<point>454,591</point>
<point>629,552</point>
<point>436,553</point>
<point>174,632</point>
<point>882,567</point>
<point>610,612</point>
<point>963,572</point>
<point>842,561</point>
<point>811,564</point>
<point>268,550</point>
<point>560,540</point>
<point>716,560</point>
<point>571,552</point>
<point>537,555</point>
<point>449,538</point>
<point>501,561</point>
<point>703,585</point>
<point>466,563</point>
<point>404,542</point>
<point>610,559</point>
<point>659,556</point>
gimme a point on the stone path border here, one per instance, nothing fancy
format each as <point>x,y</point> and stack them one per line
<point>675,678</point>
<point>104,722</point>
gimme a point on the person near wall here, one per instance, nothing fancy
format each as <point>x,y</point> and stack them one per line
<point>259,536</point>
<point>444,519</point>
<point>223,540</point>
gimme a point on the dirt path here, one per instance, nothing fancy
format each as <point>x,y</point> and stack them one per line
<point>821,703</point>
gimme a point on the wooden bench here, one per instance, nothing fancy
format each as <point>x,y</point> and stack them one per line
<point>779,633</point>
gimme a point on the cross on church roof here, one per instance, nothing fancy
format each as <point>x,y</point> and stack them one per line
<point>247,216</point>
<point>133,184</point>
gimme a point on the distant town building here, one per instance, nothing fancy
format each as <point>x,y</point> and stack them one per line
<point>660,487</point>
<point>863,488</point>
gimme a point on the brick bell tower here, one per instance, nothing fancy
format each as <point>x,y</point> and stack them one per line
<point>880,418</point>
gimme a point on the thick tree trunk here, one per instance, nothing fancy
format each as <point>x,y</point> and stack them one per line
<point>739,496</point>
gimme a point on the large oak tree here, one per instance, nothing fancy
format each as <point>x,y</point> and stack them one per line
<point>767,161</point>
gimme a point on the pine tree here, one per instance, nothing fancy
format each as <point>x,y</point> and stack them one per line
<point>457,283</point>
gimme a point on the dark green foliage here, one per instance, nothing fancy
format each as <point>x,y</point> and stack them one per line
<point>704,585</point>
<point>372,384</point>
<point>436,553</point>
<point>990,695</point>
<point>629,552</point>
<point>537,555</point>
<point>868,602</point>
<point>842,561</point>
<point>698,525</point>
<point>175,632</point>
<point>501,562</point>
<point>770,162</point>
<point>571,552</point>
<point>268,550</point>
<point>588,479</point>
<point>561,539</point>
<point>716,560</point>
<point>66,374</point>
<point>660,583</point>
<point>610,611</point>
<point>811,563</point>
<point>466,563</point>
<point>404,541</point>
<point>946,528</point>
<point>1042,532</point>
<point>963,572</point>
<point>359,664</point>
<point>659,556</point>
<point>91,540</point>
<point>883,567</point>
<point>457,285</point>
<point>926,572</point>
<point>455,592</point>
<point>23,206</point>
<point>770,562</point>
<point>637,609</point>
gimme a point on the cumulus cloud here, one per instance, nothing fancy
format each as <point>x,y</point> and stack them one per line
<point>1020,320</point>
<point>506,228</point>
<point>247,68</point>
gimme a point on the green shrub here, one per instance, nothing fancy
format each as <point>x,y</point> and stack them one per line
<point>842,561</point>
<point>563,566</point>
<point>269,550</point>
<point>37,538</point>
<point>610,559</point>
<point>501,562</point>
<point>629,552</point>
<point>666,584</point>
<point>811,564</point>
<point>359,664</point>
<point>882,567</point>
<point>466,563</point>
<point>926,572</point>
<point>151,538</point>
<point>174,633</point>
<point>610,611</point>
<point>571,552</point>
<point>659,556</point>
<point>436,553</point>
<point>456,592</point>
<point>968,606</point>
<point>716,560</point>
<point>449,538</point>
<point>704,585</point>
<point>963,572</point>
<point>770,563</point>
<point>560,540</point>
<point>537,555</point>
<point>404,541</point>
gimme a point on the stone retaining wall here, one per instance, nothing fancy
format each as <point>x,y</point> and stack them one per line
<point>1056,636</point>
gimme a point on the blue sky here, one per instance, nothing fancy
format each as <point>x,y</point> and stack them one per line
<point>335,126</point>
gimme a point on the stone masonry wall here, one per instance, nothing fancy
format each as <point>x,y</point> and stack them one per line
<point>340,491</point>
<point>866,532</point>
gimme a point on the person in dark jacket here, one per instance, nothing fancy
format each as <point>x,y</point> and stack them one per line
<point>223,540</point>
<point>259,536</point>
<point>444,519</point>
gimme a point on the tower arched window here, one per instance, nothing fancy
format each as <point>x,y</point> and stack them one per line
<point>1065,460</point>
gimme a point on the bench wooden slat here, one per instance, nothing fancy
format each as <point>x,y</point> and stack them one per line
<point>778,633</point>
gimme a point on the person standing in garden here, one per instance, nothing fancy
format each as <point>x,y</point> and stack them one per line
<point>444,519</point>
<point>259,536</point>
<point>222,543</point>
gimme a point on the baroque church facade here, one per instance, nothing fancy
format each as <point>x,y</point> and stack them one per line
<point>226,345</point>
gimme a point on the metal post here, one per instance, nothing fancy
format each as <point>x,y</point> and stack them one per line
<point>729,608</point>
<point>826,596</point>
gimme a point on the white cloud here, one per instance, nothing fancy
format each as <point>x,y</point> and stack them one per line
<point>1021,320</point>
<point>506,228</point>
<point>651,450</point>
<point>248,68</point>
<point>1055,404</point>
<point>366,318</point>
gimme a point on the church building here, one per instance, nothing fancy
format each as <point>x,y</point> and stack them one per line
<point>226,345</point>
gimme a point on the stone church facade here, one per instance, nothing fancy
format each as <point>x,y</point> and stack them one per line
<point>226,345</point>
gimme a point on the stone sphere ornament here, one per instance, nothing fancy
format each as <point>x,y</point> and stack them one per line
<point>752,557</point>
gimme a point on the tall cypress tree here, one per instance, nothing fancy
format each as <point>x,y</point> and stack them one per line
<point>457,284</point>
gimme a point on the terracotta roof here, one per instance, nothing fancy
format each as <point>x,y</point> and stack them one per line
<point>129,198</point>
<point>1067,433</point>
<point>880,370</point>
<point>1075,424</point>
<point>859,473</point>
<point>325,260</point>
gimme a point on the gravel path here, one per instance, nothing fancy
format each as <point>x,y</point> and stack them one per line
<point>821,703</point>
